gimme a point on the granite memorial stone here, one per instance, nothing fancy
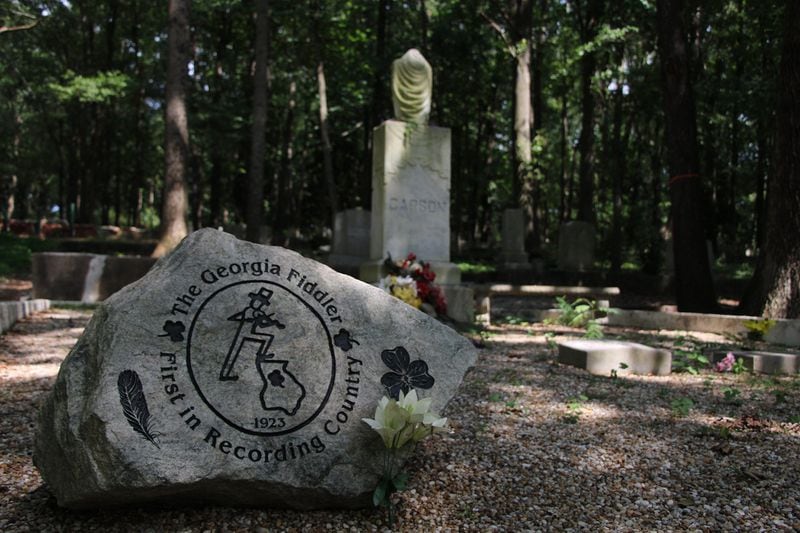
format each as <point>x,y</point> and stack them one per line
<point>237,374</point>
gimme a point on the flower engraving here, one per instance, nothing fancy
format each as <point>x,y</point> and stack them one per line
<point>404,375</point>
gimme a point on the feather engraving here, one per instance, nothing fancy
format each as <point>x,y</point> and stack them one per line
<point>134,405</point>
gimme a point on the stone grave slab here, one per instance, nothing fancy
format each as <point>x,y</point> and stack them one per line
<point>764,362</point>
<point>350,240</point>
<point>600,357</point>
<point>237,374</point>
<point>576,243</point>
<point>512,254</point>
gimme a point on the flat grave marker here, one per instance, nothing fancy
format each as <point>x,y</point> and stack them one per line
<point>763,362</point>
<point>600,357</point>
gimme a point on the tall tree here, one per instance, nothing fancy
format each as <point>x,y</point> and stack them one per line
<point>693,284</point>
<point>522,17</point>
<point>327,156</point>
<point>283,214</point>
<point>775,288</point>
<point>374,111</point>
<point>517,35</point>
<point>255,197</point>
<point>176,150</point>
<point>8,184</point>
<point>588,15</point>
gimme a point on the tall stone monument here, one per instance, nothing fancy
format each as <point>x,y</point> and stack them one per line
<point>411,178</point>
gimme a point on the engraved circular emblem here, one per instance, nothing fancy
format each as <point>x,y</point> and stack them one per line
<point>261,358</point>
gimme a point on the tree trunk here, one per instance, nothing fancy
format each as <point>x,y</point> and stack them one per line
<point>761,183</point>
<point>327,159</point>
<point>327,153</point>
<point>423,27</point>
<point>255,189</point>
<point>217,150</point>
<point>373,112</point>
<point>176,149</point>
<point>136,184</point>
<point>562,196</point>
<point>774,290</point>
<point>693,283</point>
<point>522,124</point>
<point>589,20</point>
<point>283,215</point>
<point>523,185</point>
<point>617,177</point>
<point>537,224</point>
<point>9,185</point>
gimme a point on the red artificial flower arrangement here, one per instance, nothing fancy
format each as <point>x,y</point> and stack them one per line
<point>422,275</point>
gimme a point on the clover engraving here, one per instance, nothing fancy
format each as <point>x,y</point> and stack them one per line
<point>174,330</point>
<point>344,340</point>
<point>404,374</point>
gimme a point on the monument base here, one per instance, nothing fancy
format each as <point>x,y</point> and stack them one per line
<point>460,303</point>
<point>446,273</point>
<point>511,261</point>
<point>460,298</point>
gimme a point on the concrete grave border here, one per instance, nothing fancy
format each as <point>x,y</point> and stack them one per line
<point>10,312</point>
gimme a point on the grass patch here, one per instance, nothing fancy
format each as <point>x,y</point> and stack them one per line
<point>15,253</point>
<point>476,268</point>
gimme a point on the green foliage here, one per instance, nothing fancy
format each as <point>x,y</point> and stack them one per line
<point>739,366</point>
<point>780,395</point>
<point>549,338</point>
<point>688,361</point>
<point>476,268</point>
<point>513,320</point>
<point>732,395</point>
<point>100,88</point>
<point>581,313</point>
<point>83,94</point>
<point>15,258</point>
<point>681,406</point>
<point>575,408</point>
<point>756,329</point>
<point>614,376</point>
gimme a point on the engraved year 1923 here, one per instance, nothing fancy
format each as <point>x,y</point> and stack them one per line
<point>267,423</point>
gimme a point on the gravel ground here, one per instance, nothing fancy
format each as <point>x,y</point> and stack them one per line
<point>534,446</point>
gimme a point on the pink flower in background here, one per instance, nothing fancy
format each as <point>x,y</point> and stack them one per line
<point>726,364</point>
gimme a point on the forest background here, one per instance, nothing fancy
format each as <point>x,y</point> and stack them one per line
<point>631,114</point>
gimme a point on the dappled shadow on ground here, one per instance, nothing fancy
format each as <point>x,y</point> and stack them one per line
<point>534,445</point>
<point>567,449</point>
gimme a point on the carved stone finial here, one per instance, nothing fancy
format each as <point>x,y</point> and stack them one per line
<point>412,83</point>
